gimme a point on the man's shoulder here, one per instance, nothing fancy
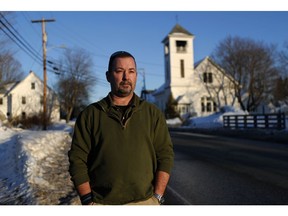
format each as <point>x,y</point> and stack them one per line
<point>92,107</point>
<point>149,104</point>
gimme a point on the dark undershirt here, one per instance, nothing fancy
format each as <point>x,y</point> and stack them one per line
<point>122,109</point>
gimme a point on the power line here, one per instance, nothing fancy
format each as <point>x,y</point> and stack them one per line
<point>22,45</point>
<point>69,35</point>
<point>27,45</point>
<point>21,42</point>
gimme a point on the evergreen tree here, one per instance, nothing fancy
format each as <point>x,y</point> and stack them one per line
<point>171,105</point>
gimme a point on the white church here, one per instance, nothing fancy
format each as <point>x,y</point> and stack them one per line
<point>199,88</point>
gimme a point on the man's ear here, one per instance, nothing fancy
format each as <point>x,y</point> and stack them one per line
<point>108,76</point>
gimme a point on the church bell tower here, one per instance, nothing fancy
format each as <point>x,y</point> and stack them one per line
<point>178,57</point>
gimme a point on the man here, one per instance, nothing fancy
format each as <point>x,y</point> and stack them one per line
<point>121,151</point>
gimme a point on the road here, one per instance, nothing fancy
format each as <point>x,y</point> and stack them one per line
<point>215,170</point>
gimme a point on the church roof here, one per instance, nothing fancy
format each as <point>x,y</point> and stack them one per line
<point>207,58</point>
<point>178,29</point>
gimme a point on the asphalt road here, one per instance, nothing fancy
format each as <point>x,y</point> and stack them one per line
<point>215,170</point>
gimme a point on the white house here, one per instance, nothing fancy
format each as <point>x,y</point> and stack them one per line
<point>25,98</point>
<point>199,88</point>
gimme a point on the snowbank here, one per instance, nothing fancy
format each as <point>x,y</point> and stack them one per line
<point>34,166</point>
<point>174,122</point>
<point>214,120</point>
<point>14,188</point>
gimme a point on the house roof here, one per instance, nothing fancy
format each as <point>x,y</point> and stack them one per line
<point>11,86</point>
<point>8,87</point>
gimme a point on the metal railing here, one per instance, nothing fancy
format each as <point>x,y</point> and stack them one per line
<point>255,121</point>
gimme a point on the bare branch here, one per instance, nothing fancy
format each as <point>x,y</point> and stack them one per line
<point>76,80</point>
<point>252,66</point>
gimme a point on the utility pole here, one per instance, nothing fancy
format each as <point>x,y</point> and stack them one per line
<point>44,41</point>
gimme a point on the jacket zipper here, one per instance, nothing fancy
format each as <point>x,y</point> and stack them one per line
<point>117,119</point>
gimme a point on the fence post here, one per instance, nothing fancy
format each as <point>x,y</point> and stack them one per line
<point>266,121</point>
<point>255,121</point>
<point>281,121</point>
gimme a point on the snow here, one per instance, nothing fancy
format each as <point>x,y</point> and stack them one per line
<point>12,166</point>
<point>26,156</point>
<point>214,120</point>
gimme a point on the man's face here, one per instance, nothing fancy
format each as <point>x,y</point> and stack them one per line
<point>123,76</point>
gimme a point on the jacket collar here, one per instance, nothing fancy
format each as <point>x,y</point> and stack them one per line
<point>107,103</point>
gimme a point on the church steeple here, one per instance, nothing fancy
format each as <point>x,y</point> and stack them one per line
<point>179,29</point>
<point>179,57</point>
<point>188,85</point>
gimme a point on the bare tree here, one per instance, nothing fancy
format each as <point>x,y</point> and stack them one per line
<point>75,81</point>
<point>283,59</point>
<point>252,66</point>
<point>281,86</point>
<point>281,90</point>
<point>10,68</point>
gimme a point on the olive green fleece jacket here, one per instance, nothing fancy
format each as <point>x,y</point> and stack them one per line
<point>119,155</point>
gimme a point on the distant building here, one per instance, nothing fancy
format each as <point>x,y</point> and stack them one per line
<point>199,88</point>
<point>25,98</point>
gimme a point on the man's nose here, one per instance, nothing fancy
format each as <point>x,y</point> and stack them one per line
<point>125,75</point>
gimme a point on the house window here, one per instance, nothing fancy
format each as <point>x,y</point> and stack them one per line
<point>1,101</point>
<point>183,108</point>
<point>208,105</point>
<point>214,107</point>
<point>23,100</point>
<point>32,85</point>
<point>202,107</point>
<point>181,46</point>
<point>207,77</point>
<point>182,68</point>
<point>23,115</point>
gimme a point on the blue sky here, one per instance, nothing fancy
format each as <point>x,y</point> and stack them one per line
<point>141,33</point>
